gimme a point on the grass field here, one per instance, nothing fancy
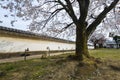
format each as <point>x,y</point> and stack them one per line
<point>106,53</point>
<point>45,69</point>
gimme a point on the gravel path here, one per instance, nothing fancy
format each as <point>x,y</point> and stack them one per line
<point>28,57</point>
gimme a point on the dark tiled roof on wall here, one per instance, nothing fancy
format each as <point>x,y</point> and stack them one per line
<point>31,34</point>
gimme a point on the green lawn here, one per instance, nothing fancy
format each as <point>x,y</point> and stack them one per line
<point>34,69</point>
<point>106,53</point>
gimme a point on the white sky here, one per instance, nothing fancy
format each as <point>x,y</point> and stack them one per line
<point>20,24</point>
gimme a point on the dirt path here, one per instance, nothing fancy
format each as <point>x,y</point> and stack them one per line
<point>28,57</point>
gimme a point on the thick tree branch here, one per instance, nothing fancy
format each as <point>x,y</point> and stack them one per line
<point>63,5</point>
<point>68,8</point>
<point>71,11</point>
<point>83,8</point>
<point>100,17</point>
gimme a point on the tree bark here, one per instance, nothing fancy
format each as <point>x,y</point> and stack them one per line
<point>81,43</point>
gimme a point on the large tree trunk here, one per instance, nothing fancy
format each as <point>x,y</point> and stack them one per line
<point>81,43</point>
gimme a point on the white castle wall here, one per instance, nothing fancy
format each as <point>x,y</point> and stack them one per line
<point>12,44</point>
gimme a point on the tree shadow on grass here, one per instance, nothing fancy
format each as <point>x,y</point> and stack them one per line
<point>115,68</point>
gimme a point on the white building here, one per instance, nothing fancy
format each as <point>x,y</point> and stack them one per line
<point>111,44</point>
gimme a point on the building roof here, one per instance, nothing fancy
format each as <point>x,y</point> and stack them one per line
<point>21,33</point>
<point>110,42</point>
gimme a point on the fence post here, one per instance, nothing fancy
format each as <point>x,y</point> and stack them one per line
<point>48,51</point>
<point>63,50</point>
<point>25,55</point>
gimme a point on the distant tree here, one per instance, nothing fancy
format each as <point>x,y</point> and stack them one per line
<point>85,15</point>
<point>98,40</point>
<point>117,40</point>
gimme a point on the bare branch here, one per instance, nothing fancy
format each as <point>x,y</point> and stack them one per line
<point>64,29</point>
<point>68,25</point>
<point>52,15</point>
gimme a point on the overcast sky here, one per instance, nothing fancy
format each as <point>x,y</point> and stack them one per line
<point>6,21</point>
<point>19,24</point>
